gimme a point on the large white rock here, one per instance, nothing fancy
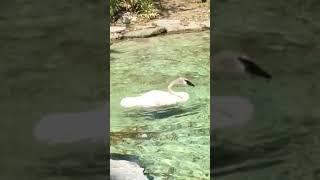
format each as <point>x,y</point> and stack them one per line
<point>126,170</point>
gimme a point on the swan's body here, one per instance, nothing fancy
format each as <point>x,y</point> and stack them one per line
<point>157,98</point>
<point>154,98</point>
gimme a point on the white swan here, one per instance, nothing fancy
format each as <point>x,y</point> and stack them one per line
<point>157,98</point>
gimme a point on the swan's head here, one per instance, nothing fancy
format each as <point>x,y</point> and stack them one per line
<point>183,81</point>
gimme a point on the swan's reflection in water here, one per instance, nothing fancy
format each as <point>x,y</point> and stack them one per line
<point>235,157</point>
<point>163,113</point>
<point>143,132</point>
<point>231,114</point>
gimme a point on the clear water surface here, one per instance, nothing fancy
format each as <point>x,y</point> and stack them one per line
<point>282,139</point>
<point>172,143</point>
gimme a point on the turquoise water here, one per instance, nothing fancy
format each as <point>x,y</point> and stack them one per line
<point>173,143</point>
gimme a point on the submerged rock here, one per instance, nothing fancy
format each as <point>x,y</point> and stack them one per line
<point>126,170</point>
<point>145,32</point>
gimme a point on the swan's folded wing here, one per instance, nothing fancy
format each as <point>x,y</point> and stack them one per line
<point>156,98</point>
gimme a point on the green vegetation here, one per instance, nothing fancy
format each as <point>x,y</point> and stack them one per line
<point>114,7</point>
<point>144,8</point>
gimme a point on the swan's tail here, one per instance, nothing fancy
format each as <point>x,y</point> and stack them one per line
<point>128,102</point>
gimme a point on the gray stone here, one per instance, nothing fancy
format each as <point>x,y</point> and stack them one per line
<point>126,170</point>
<point>126,18</point>
<point>145,32</point>
<point>117,29</point>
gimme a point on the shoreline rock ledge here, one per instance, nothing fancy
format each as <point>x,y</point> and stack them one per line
<point>157,27</point>
<point>143,33</point>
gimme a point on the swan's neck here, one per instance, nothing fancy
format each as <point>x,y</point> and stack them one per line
<point>172,91</point>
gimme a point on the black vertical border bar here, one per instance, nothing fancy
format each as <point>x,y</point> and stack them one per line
<point>212,7</point>
<point>107,74</point>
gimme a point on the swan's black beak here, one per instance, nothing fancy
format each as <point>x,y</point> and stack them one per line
<point>189,83</point>
<point>254,69</point>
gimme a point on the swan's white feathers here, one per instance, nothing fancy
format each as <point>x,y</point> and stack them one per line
<point>155,98</point>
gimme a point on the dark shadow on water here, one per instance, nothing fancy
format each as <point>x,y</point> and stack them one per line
<point>72,164</point>
<point>266,152</point>
<point>114,51</point>
<point>248,167</point>
<point>156,114</point>
<point>127,157</point>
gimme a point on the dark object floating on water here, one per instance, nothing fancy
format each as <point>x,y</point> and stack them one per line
<point>236,64</point>
<point>253,68</point>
